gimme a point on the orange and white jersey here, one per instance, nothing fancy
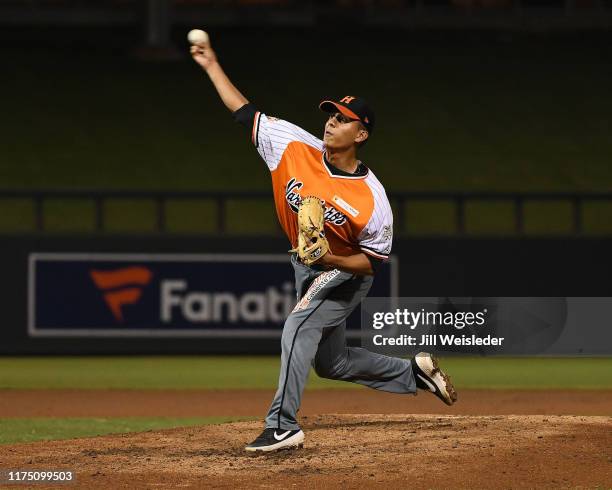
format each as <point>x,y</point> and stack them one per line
<point>358,217</point>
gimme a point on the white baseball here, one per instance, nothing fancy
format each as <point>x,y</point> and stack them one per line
<point>197,36</point>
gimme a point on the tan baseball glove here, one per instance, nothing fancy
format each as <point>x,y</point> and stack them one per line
<point>312,244</point>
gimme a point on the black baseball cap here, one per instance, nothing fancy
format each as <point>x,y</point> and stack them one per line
<point>354,107</point>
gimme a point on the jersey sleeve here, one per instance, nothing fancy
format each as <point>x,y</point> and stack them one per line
<point>376,237</point>
<point>271,136</point>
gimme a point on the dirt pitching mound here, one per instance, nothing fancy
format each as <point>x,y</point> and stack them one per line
<point>348,451</point>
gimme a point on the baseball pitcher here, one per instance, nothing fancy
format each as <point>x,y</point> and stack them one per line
<point>338,219</point>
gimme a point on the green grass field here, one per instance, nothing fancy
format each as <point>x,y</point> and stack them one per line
<point>215,373</point>
<point>14,430</point>
<point>463,113</point>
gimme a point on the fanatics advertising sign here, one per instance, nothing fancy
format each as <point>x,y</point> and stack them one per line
<point>168,295</point>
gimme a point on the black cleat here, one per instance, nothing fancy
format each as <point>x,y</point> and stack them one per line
<point>273,439</point>
<point>429,376</point>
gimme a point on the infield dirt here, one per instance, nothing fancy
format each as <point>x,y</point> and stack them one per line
<point>348,451</point>
<point>234,403</point>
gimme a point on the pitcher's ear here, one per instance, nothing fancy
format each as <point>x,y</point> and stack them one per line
<point>362,135</point>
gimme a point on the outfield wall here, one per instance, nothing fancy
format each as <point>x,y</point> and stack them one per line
<point>213,304</point>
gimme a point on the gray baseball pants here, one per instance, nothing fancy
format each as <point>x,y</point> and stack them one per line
<point>314,335</point>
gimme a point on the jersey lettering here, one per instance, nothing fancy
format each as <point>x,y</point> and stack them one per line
<point>291,194</point>
<point>332,215</point>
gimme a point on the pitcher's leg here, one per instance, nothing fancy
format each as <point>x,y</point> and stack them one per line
<point>335,360</point>
<point>299,345</point>
<point>300,339</point>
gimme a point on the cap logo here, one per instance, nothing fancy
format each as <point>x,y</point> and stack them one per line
<point>366,120</point>
<point>347,100</point>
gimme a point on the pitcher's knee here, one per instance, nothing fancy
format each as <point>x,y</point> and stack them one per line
<point>328,369</point>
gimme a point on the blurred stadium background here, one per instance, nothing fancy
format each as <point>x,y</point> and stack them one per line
<point>493,141</point>
<point>473,97</point>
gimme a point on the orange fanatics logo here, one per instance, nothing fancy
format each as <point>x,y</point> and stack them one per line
<point>109,281</point>
<point>347,100</point>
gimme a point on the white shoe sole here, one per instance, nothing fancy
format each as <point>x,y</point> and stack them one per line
<point>295,441</point>
<point>429,365</point>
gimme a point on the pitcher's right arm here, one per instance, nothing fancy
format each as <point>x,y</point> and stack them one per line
<point>204,56</point>
<point>269,135</point>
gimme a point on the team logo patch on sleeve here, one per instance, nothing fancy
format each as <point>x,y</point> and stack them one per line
<point>387,236</point>
<point>387,233</point>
